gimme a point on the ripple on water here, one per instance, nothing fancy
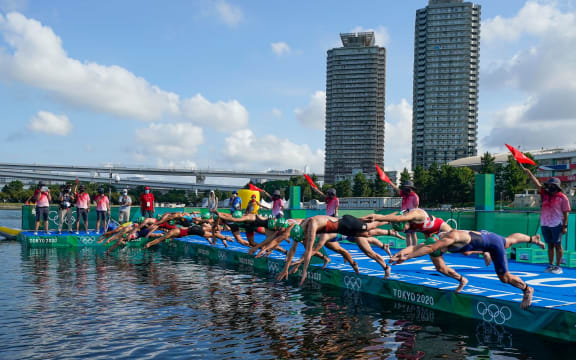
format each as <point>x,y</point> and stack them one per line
<point>71,304</point>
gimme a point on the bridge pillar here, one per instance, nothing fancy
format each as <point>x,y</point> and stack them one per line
<point>200,179</point>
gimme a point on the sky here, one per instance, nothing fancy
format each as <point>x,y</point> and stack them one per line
<point>228,84</point>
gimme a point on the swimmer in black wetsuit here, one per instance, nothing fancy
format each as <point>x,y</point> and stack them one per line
<point>346,225</point>
<point>461,241</point>
<point>250,222</point>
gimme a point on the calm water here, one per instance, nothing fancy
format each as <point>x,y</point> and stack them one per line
<point>58,303</point>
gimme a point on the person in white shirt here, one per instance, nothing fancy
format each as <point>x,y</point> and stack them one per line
<point>125,202</point>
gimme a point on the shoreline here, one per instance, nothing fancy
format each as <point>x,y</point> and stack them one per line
<point>10,206</point>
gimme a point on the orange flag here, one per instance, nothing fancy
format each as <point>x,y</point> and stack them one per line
<point>254,187</point>
<point>383,175</point>
<point>310,181</point>
<point>519,156</point>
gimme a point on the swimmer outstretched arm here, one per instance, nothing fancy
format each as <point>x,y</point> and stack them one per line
<point>289,256</point>
<point>410,252</point>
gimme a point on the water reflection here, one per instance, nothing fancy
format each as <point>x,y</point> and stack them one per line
<point>135,303</point>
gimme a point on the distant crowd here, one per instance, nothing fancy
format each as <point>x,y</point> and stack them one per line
<point>76,196</point>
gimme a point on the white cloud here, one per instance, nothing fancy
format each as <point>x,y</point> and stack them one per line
<point>276,113</point>
<point>166,142</point>
<point>280,48</point>
<point>313,115</point>
<point>381,35</point>
<point>534,19</point>
<point>247,150</point>
<point>398,136</point>
<point>36,57</point>
<point>543,72</point>
<point>223,116</point>
<point>51,124</point>
<point>229,14</point>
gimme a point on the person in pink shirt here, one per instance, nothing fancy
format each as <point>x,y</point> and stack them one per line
<point>410,201</point>
<point>332,201</point>
<point>42,199</point>
<point>277,203</point>
<point>553,218</point>
<point>102,210</point>
<point>82,207</point>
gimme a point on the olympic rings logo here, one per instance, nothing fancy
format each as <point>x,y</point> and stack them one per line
<point>453,223</point>
<point>86,240</point>
<point>273,267</point>
<point>54,217</point>
<point>352,283</point>
<point>493,313</point>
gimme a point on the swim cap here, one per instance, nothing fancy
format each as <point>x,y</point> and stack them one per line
<point>171,222</point>
<point>398,226</point>
<point>271,224</point>
<point>297,233</point>
<point>159,216</point>
<point>214,216</point>
<point>237,214</point>
<point>141,219</point>
<point>205,216</point>
<point>281,223</point>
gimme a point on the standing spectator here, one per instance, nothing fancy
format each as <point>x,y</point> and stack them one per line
<point>147,203</point>
<point>42,208</point>
<point>212,202</point>
<point>32,199</point>
<point>125,202</point>
<point>332,201</point>
<point>410,200</point>
<point>253,205</point>
<point>82,207</point>
<point>66,199</point>
<point>553,218</point>
<point>102,210</point>
<point>235,202</point>
<point>277,203</point>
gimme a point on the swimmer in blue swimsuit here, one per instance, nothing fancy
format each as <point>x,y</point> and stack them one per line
<point>461,241</point>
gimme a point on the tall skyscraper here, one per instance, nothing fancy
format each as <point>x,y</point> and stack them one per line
<point>445,89</point>
<point>355,100</point>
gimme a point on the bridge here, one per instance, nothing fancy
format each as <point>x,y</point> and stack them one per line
<point>112,173</point>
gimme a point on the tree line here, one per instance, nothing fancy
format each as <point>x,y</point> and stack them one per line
<point>439,184</point>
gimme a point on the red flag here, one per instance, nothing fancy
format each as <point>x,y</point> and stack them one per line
<point>254,187</point>
<point>519,156</point>
<point>383,175</point>
<point>310,181</point>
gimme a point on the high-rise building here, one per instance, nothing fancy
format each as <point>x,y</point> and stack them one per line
<point>355,100</point>
<point>445,89</point>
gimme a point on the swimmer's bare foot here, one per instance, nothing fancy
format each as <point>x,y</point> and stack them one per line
<point>487,258</point>
<point>387,272</point>
<point>536,241</point>
<point>224,242</point>
<point>252,250</point>
<point>463,282</point>
<point>527,299</point>
<point>354,265</point>
<point>326,262</point>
